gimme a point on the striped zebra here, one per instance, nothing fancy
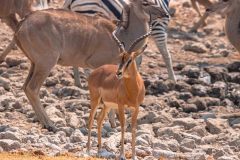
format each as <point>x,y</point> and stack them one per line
<point>113,9</point>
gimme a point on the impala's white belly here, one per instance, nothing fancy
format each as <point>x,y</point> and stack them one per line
<point>113,105</point>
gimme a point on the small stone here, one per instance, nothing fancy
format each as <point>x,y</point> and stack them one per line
<point>185,96</point>
<point>10,135</point>
<point>51,81</point>
<point>199,90</point>
<point>199,102</point>
<point>216,126</point>
<point>195,47</point>
<point>73,120</point>
<point>188,143</point>
<point>219,90</point>
<point>12,62</point>
<point>234,67</point>
<point>188,108</point>
<point>77,136</point>
<point>191,71</point>
<point>9,145</point>
<point>217,73</point>
<point>5,83</point>
<point>187,123</point>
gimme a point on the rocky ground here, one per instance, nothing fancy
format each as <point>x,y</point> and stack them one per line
<point>198,118</point>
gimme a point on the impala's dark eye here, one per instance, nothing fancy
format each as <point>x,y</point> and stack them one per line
<point>145,3</point>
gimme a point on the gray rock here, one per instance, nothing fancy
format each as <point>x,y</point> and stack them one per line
<point>56,116</point>
<point>51,81</point>
<point>196,138</point>
<point>216,126</point>
<point>217,73</point>
<point>199,102</point>
<point>234,67</point>
<point>219,90</point>
<point>77,136</point>
<point>11,135</point>
<point>30,139</point>
<point>191,71</point>
<point>73,120</point>
<point>187,123</point>
<point>157,87</point>
<point>182,86</point>
<point>234,77</point>
<point>9,145</point>
<point>159,153</point>
<point>195,47</point>
<point>210,101</point>
<point>188,108</point>
<point>207,115</point>
<point>199,90</point>
<point>170,132</point>
<point>5,83</point>
<point>185,96</point>
<point>12,62</point>
<point>188,143</point>
<point>174,102</point>
<point>71,91</point>
<point>199,131</point>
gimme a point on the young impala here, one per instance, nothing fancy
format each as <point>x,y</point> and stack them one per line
<point>117,87</point>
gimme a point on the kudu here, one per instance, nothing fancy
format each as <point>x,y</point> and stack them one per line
<point>117,87</point>
<point>8,11</point>
<point>72,39</point>
<point>201,22</point>
<point>231,9</point>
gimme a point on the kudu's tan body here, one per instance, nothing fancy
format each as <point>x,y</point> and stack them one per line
<point>201,21</point>
<point>232,24</point>
<point>231,10</point>
<point>8,11</point>
<point>53,37</point>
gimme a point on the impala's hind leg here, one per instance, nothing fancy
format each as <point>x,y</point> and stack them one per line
<point>94,100</point>
<point>100,120</point>
<point>38,73</point>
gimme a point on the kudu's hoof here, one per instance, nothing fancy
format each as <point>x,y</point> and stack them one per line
<point>193,30</point>
<point>51,128</point>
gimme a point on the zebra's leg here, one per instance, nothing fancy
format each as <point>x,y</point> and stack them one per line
<point>159,35</point>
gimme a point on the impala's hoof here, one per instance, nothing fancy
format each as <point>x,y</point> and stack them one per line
<point>122,158</point>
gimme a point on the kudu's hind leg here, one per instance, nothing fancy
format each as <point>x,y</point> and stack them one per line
<point>12,22</point>
<point>76,77</point>
<point>32,88</point>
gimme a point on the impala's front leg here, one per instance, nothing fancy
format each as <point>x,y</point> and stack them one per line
<point>122,123</point>
<point>134,127</point>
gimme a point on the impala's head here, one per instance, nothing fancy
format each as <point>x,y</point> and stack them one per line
<point>127,59</point>
<point>225,6</point>
<point>144,9</point>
